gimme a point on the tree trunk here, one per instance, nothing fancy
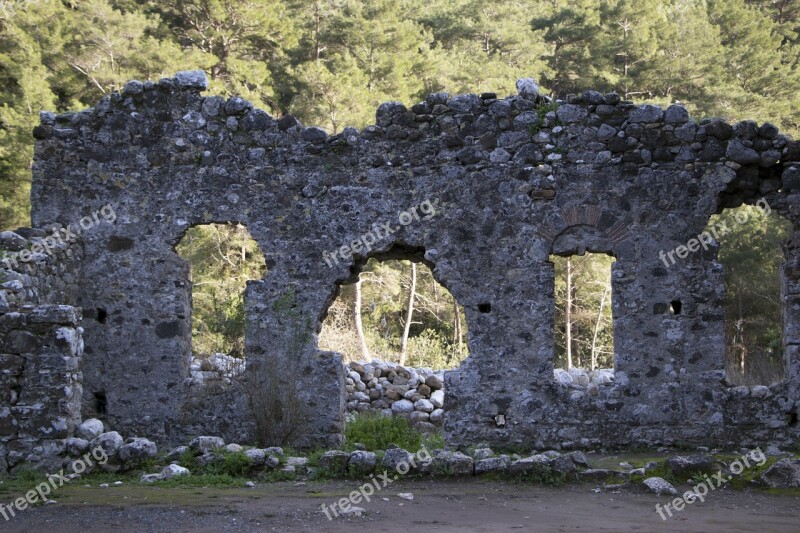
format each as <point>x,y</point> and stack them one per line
<point>359,325</point>
<point>597,327</point>
<point>568,315</point>
<point>456,330</point>
<point>409,313</point>
<point>740,329</point>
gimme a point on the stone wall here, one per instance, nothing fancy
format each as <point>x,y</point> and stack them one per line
<point>31,274</point>
<point>41,347</point>
<point>513,181</point>
<point>40,360</point>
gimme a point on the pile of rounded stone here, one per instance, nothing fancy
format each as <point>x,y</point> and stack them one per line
<point>216,367</point>
<point>580,378</point>
<point>107,450</point>
<point>207,450</point>
<point>415,393</point>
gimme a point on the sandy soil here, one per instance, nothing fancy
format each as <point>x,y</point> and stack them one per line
<point>451,505</point>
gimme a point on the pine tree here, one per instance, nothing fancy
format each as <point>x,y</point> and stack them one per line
<point>26,91</point>
<point>629,48</point>
<point>247,39</point>
<point>760,84</point>
<point>484,46</point>
<point>571,30</point>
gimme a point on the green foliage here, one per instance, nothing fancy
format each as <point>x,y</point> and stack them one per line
<point>232,464</point>
<point>188,459</point>
<point>376,432</point>
<point>541,111</point>
<point>314,456</point>
<point>433,441</point>
<point>429,349</point>
<point>482,46</point>
<point>222,258</point>
<point>20,482</point>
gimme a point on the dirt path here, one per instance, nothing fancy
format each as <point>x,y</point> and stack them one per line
<point>470,505</point>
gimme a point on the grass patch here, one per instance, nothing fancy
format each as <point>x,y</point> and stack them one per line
<point>202,480</point>
<point>233,464</point>
<point>433,441</point>
<point>23,481</point>
<point>26,480</point>
<point>314,456</point>
<point>541,111</point>
<point>376,432</point>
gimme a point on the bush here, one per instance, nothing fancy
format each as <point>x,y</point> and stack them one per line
<point>232,464</point>
<point>235,464</point>
<point>376,432</point>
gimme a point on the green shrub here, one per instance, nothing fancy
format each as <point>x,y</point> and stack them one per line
<point>314,456</point>
<point>234,464</point>
<point>433,441</point>
<point>376,432</point>
<point>188,460</point>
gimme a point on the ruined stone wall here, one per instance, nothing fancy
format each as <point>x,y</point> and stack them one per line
<point>512,180</point>
<point>41,348</point>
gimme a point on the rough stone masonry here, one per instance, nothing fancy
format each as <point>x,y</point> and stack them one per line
<point>515,181</point>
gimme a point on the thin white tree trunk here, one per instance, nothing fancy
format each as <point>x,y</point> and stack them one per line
<point>359,325</point>
<point>568,315</point>
<point>456,329</point>
<point>409,313</point>
<point>597,327</point>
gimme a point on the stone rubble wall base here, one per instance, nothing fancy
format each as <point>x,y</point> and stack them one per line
<point>41,380</point>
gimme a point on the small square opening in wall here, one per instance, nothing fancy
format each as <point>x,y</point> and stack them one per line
<point>101,315</point>
<point>675,307</point>
<point>100,403</point>
<point>485,308</point>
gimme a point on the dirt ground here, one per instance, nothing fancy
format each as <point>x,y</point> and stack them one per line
<point>440,505</point>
